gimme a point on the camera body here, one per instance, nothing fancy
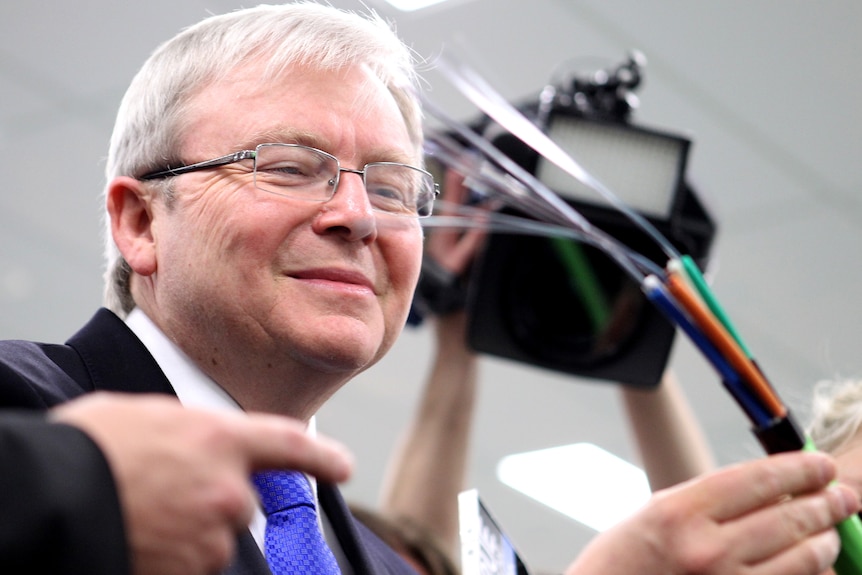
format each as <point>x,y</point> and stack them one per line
<point>564,305</point>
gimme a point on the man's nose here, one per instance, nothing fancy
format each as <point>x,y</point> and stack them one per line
<point>349,209</point>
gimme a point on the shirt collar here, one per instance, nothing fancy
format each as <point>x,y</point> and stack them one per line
<point>192,386</point>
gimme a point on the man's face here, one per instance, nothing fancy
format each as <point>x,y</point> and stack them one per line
<point>249,277</point>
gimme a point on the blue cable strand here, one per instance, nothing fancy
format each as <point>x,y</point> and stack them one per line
<point>663,300</point>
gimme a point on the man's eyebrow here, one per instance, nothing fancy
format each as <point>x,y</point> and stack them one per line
<point>306,138</point>
<point>284,136</point>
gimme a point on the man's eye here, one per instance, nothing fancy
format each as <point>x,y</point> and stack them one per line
<point>386,193</point>
<point>290,169</point>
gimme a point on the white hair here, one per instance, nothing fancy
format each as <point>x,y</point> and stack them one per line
<point>149,124</point>
<point>836,413</point>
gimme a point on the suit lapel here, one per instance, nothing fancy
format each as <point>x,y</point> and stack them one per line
<point>115,358</point>
<point>345,529</point>
<point>248,559</point>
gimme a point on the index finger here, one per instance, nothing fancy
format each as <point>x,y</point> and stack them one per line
<point>274,442</point>
<point>744,487</point>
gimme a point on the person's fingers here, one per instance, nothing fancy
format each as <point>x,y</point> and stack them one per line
<point>235,500</point>
<point>758,536</point>
<point>264,440</point>
<point>454,249</point>
<point>813,555</point>
<point>739,489</point>
<point>454,190</point>
<point>274,442</point>
<point>244,513</point>
<point>222,545</point>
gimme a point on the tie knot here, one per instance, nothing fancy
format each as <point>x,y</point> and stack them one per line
<point>280,490</point>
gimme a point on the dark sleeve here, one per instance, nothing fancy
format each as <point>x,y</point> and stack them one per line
<point>59,508</point>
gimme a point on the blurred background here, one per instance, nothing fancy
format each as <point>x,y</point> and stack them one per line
<point>767,90</point>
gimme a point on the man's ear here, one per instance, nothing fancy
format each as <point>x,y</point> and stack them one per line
<point>129,204</point>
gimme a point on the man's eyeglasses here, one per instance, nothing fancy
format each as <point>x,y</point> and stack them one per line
<point>307,173</point>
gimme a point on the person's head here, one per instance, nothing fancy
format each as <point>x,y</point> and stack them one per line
<point>835,426</point>
<point>238,273</point>
<point>414,543</point>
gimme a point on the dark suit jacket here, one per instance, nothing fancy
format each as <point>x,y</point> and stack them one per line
<point>54,479</point>
<point>105,355</point>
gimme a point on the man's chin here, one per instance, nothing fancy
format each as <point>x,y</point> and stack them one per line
<point>339,364</point>
<point>342,357</point>
<point>340,344</point>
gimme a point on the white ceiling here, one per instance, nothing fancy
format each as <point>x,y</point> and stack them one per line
<point>767,89</point>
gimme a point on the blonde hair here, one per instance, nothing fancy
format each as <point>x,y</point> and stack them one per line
<point>836,413</point>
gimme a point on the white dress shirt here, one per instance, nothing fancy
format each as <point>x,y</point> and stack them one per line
<point>195,389</point>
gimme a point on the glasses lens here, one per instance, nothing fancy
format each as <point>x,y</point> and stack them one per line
<point>295,171</point>
<point>399,189</point>
<point>301,172</point>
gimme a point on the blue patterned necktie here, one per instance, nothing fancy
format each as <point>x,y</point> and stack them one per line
<point>293,543</point>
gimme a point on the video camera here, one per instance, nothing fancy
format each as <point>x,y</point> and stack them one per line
<point>562,304</point>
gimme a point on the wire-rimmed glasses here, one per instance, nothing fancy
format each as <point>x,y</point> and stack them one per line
<point>303,172</point>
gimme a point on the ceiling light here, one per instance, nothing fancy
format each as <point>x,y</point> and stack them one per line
<point>583,481</point>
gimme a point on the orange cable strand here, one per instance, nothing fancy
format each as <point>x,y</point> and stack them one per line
<point>725,343</point>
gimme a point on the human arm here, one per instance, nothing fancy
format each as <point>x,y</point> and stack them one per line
<point>182,474</point>
<point>428,467</point>
<point>670,441</point>
<point>769,516</point>
<point>60,510</point>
